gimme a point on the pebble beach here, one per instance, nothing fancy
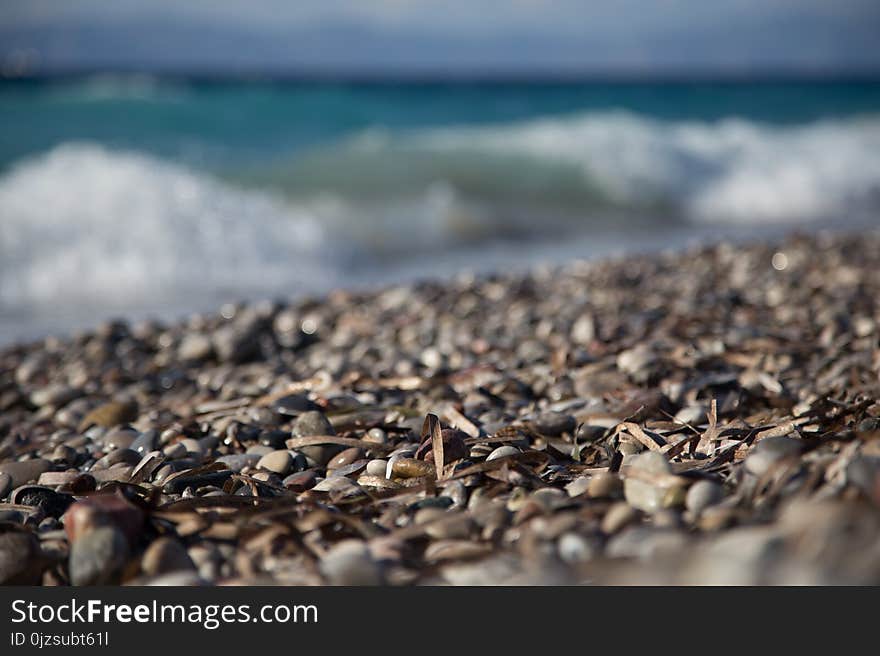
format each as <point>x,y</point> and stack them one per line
<point>703,416</point>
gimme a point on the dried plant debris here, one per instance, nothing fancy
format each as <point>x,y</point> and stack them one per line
<point>690,418</point>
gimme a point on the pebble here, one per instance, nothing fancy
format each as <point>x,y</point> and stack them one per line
<point>280,462</point>
<point>604,485</point>
<point>25,471</point>
<point>703,494</point>
<point>578,486</point>
<point>376,435</point>
<point>617,516</point>
<point>574,548</point>
<point>645,495</point>
<point>124,456</point>
<point>5,484</point>
<point>145,442</point>
<point>770,451</point>
<point>20,558</point>
<point>312,422</point>
<point>554,424</point>
<point>103,510</point>
<point>349,562</point>
<point>56,395</point>
<point>377,467</point>
<point>238,461</point>
<point>646,543</point>
<point>97,556</point>
<point>109,415</point>
<point>120,438</point>
<point>346,457</point>
<point>503,452</point>
<point>195,346</point>
<point>165,555</point>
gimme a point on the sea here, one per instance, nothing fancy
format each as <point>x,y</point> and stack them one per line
<point>144,196</point>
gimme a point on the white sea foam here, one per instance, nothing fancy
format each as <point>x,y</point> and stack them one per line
<point>728,171</point>
<point>86,225</point>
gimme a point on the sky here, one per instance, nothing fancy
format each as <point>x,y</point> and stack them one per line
<point>445,36</point>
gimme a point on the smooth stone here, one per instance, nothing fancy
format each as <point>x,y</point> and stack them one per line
<point>274,439</point>
<point>238,461</point>
<point>25,471</point>
<point>318,455</point>
<point>195,346</point>
<point>97,556</point>
<point>646,543</point>
<point>259,449</point>
<point>703,494</point>
<point>192,446</point>
<point>312,422</point>
<point>64,454</point>
<point>5,484</point>
<point>21,560</point>
<point>175,451</point>
<point>554,423</point>
<point>280,462</point>
<point>349,562</point>
<point>120,438</point>
<point>768,452</point>
<point>578,486</point>
<point>123,456</point>
<point>165,555</point>
<point>641,494</point>
<point>293,405</point>
<point>617,516</point>
<point>574,548</point>
<point>109,415</point>
<point>376,435</point>
<point>503,452</point>
<point>588,433</point>
<point>445,527</point>
<point>346,457</point>
<point>604,485</point>
<point>691,414</point>
<point>146,442</point>
<point>56,394</point>
<point>377,467</point>
<point>103,510</point>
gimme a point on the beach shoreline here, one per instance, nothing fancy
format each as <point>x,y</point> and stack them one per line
<point>705,415</point>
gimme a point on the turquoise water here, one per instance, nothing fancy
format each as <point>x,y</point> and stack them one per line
<point>149,195</point>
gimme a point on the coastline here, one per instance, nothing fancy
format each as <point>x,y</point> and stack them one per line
<point>701,416</point>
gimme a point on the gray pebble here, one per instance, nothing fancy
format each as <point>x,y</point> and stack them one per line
<point>5,484</point>
<point>165,555</point>
<point>377,467</point>
<point>313,422</point>
<point>768,452</point>
<point>25,471</point>
<point>703,494</point>
<point>554,423</point>
<point>238,461</point>
<point>349,562</point>
<point>645,495</point>
<point>280,462</point>
<point>97,556</point>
